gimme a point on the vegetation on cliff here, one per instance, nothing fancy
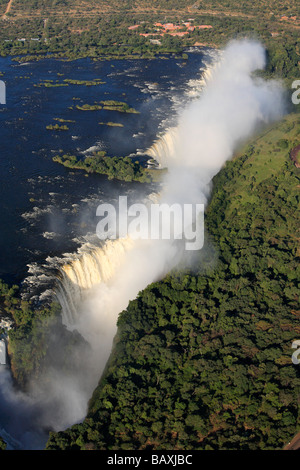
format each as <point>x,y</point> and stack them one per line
<point>35,337</point>
<point>202,360</point>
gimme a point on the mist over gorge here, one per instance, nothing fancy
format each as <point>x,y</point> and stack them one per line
<point>96,287</point>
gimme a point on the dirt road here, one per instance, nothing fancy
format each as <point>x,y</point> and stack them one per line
<point>294,444</point>
<point>7,8</point>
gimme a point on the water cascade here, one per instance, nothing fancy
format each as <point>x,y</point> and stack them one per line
<point>94,266</point>
<point>96,284</point>
<point>97,265</point>
<point>163,149</point>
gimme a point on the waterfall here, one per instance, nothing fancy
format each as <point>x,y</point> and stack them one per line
<point>163,149</point>
<point>97,265</point>
<point>93,266</point>
<point>96,283</point>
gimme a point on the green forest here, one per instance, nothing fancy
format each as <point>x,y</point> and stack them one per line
<point>202,359</point>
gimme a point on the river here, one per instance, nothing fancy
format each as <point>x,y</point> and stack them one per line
<point>48,210</point>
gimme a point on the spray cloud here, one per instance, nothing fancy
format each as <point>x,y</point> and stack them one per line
<point>231,108</point>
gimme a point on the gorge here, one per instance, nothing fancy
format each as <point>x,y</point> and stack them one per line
<point>98,283</point>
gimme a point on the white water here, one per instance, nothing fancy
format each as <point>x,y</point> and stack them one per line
<point>95,285</point>
<point>79,279</point>
<point>164,148</point>
<point>95,265</point>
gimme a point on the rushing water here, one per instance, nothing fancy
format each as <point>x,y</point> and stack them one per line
<point>42,202</point>
<point>47,211</point>
<point>94,281</point>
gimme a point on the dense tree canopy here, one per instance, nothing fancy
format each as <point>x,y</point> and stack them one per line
<point>202,359</point>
